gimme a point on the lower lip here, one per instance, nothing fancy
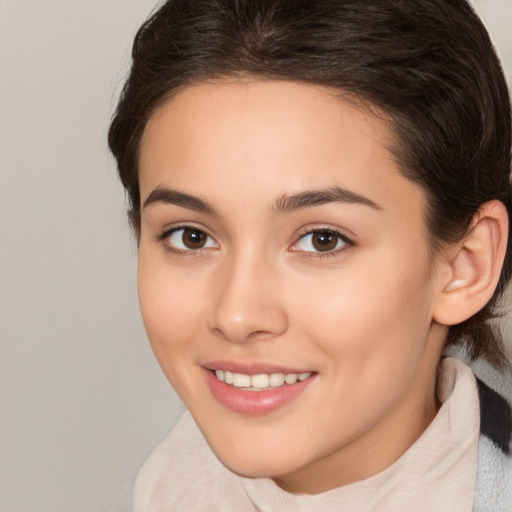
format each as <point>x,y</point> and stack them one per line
<point>255,402</point>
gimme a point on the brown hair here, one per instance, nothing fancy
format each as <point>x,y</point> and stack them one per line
<point>428,65</point>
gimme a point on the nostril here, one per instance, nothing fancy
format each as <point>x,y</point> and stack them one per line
<point>260,335</point>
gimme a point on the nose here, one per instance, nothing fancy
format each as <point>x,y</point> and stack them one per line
<point>247,304</point>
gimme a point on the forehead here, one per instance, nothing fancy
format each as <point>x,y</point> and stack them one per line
<point>254,141</point>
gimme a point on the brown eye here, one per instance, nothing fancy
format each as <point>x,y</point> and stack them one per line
<point>322,240</point>
<point>189,239</point>
<point>193,238</point>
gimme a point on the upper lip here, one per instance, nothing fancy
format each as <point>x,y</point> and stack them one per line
<point>252,367</point>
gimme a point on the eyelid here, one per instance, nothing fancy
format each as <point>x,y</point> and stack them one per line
<point>169,230</point>
<point>303,232</point>
<point>311,229</point>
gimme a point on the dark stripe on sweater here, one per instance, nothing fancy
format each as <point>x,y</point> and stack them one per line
<point>495,417</point>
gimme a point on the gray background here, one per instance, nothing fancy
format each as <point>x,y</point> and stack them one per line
<point>82,402</point>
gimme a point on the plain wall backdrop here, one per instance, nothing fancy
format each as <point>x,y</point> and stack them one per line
<point>82,401</point>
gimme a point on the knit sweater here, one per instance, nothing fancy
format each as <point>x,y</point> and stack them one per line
<point>462,462</point>
<point>494,481</point>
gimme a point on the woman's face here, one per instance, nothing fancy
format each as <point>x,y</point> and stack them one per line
<point>285,280</point>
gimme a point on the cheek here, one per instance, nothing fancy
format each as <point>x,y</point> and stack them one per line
<point>372,332</point>
<point>169,307</point>
<point>378,312</point>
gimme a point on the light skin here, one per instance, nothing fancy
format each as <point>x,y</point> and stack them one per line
<point>306,248</point>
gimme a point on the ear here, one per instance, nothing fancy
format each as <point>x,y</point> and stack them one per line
<point>473,266</point>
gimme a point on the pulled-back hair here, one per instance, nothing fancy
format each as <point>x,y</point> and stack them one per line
<point>428,65</point>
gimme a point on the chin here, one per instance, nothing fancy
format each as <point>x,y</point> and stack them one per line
<point>256,463</point>
<point>255,468</point>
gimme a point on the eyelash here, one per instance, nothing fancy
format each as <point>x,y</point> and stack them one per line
<point>347,242</point>
<point>180,252</point>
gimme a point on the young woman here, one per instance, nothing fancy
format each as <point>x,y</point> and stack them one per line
<point>320,193</point>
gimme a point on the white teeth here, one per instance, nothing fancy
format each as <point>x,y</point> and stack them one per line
<point>291,378</point>
<point>241,381</point>
<point>261,380</point>
<point>276,379</point>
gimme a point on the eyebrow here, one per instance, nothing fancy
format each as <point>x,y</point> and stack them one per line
<point>285,204</point>
<point>169,196</point>
<point>309,198</point>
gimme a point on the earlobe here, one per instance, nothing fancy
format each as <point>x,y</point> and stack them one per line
<point>474,266</point>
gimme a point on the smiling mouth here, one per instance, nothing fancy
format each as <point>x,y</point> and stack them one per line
<point>260,381</point>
